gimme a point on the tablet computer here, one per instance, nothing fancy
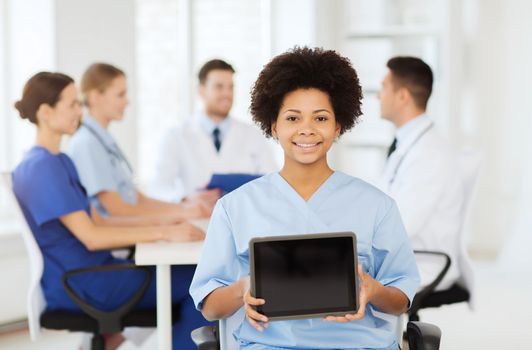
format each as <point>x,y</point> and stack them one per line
<point>305,276</point>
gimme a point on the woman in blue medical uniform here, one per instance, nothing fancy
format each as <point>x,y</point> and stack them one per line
<point>305,99</point>
<point>57,209</point>
<point>103,169</point>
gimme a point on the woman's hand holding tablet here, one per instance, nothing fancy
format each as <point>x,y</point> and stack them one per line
<point>368,288</point>
<point>256,319</point>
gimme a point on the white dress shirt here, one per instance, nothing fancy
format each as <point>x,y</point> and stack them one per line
<point>422,176</point>
<point>188,157</point>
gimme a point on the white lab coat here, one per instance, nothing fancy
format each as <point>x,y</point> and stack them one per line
<point>188,158</point>
<point>422,176</point>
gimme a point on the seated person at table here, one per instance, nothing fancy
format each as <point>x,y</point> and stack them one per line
<point>210,142</point>
<point>104,171</point>
<point>69,235</point>
<point>305,99</point>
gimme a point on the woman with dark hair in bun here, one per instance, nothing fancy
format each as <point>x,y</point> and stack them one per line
<point>306,99</point>
<point>70,234</point>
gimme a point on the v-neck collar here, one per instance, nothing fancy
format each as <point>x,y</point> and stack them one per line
<point>317,197</point>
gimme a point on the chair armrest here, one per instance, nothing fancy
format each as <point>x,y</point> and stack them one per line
<point>108,321</point>
<point>423,336</point>
<point>429,289</point>
<point>206,338</point>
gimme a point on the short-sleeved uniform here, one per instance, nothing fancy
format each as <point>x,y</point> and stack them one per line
<point>269,206</point>
<point>47,187</point>
<point>101,164</point>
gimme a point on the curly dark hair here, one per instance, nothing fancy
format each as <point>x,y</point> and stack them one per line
<point>303,67</point>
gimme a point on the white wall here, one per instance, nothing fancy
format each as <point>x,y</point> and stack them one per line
<point>302,22</point>
<point>28,41</point>
<point>516,141</point>
<point>15,279</point>
<point>498,71</point>
<point>100,30</point>
<point>26,48</point>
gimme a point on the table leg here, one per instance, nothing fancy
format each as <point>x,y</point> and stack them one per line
<point>164,308</point>
<point>221,329</point>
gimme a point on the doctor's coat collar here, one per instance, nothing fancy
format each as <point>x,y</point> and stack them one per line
<point>208,126</point>
<point>407,133</point>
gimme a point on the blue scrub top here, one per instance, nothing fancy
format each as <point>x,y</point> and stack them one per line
<point>269,206</point>
<point>47,187</point>
<point>101,164</point>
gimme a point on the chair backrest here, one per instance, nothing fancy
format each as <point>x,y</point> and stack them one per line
<point>469,162</point>
<point>35,299</point>
<point>227,327</point>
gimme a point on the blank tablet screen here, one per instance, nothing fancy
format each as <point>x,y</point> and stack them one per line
<point>305,276</point>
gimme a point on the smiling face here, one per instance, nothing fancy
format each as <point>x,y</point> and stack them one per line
<point>64,117</point>
<point>306,127</point>
<point>217,92</point>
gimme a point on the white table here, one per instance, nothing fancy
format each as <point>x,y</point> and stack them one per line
<point>163,255</point>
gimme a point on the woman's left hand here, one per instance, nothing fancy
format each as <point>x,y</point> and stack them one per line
<point>368,288</point>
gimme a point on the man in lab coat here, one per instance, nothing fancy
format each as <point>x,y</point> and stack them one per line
<point>421,171</point>
<point>211,141</point>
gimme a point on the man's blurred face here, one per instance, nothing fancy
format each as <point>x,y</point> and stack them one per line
<point>217,92</point>
<point>389,98</point>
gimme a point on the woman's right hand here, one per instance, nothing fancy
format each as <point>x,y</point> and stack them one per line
<point>257,320</point>
<point>209,197</point>
<point>184,232</point>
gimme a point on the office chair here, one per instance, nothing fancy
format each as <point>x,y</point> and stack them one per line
<point>90,320</point>
<point>420,335</point>
<point>463,290</point>
<point>429,297</point>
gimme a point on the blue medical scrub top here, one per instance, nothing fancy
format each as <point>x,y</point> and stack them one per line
<point>101,164</point>
<point>269,206</point>
<point>47,187</point>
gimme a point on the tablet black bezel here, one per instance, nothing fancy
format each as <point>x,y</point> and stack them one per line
<point>341,310</point>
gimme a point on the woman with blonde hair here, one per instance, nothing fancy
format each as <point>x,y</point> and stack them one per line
<point>103,168</point>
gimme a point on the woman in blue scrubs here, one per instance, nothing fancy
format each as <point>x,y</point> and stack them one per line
<point>305,99</point>
<point>57,209</point>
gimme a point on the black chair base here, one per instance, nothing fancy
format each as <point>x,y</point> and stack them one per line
<point>206,338</point>
<point>80,322</point>
<point>455,294</point>
<point>423,336</point>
